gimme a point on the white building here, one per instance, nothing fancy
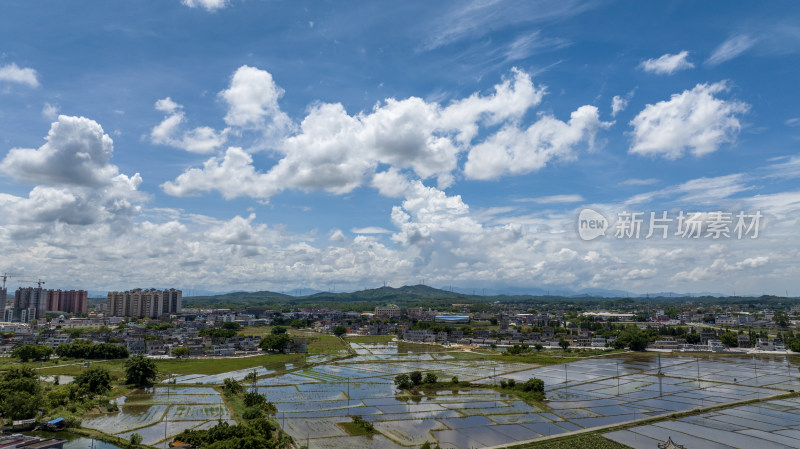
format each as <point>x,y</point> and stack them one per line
<point>144,303</point>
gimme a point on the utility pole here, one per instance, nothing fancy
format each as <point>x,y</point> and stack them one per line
<point>166,412</point>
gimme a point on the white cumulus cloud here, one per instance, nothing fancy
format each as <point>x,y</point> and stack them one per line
<point>252,100</point>
<point>694,120</point>
<point>209,5</point>
<point>232,175</point>
<point>12,73</point>
<point>668,63</point>
<point>202,139</point>
<point>335,151</point>
<point>517,151</point>
<point>75,183</point>
<point>77,152</point>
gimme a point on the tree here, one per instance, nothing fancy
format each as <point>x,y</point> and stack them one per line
<point>140,371</point>
<point>231,325</point>
<point>181,351</point>
<point>20,394</point>
<point>20,405</point>
<point>781,319</point>
<point>135,439</point>
<point>275,342</point>
<point>534,384</point>
<point>232,387</point>
<point>416,377</point>
<point>563,343</point>
<point>692,338</point>
<point>94,380</point>
<point>253,399</point>
<point>730,339</point>
<point>538,347</point>
<point>278,330</point>
<point>32,352</point>
<point>339,330</point>
<point>402,381</point>
<point>431,378</point>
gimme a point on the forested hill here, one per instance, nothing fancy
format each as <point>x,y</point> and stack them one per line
<point>425,296</point>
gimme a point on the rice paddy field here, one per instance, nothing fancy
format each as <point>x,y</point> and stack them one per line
<point>313,400</point>
<point>160,413</point>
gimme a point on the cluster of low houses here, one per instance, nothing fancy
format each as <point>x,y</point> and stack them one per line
<point>139,339</point>
<point>187,326</point>
<point>709,342</point>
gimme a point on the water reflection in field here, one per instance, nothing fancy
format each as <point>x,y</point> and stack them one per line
<point>158,414</point>
<point>312,401</point>
<point>585,394</point>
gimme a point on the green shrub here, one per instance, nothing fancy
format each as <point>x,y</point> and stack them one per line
<point>252,413</point>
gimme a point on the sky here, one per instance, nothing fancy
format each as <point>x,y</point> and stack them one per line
<point>218,145</point>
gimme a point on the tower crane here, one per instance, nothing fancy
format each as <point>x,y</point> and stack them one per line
<point>39,282</point>
<point>6,276</point>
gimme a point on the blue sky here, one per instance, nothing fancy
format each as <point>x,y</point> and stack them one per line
<point>247,144</point>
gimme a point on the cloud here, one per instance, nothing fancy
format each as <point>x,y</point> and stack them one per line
<point>370,230</point>
<point>480,17</point>
<point>338,152</point>
<point>336,235</point>
<point>75,182</point>
<point>639,182</point>
<point>529,44</point>
<point>731,48</point>
<point>202,139</point>
<point>50,111</point>
<point>554,199</point>
<point>209,5</point>
<point>12,73</point>
<point>694,120</point>
<point>517,151</point>
<point>787,169</point>
<point>77,152</point>
<point>711,190</point>
<point>252,100</point>
<point>233,175</point>
<point>428,212</point>
<point>618,104</point>
<point>667,64</point>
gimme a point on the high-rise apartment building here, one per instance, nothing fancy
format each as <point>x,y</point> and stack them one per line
<point>29,303</point>
<point>70,301</point>
<point>3,301</point>
<point>140,303</point>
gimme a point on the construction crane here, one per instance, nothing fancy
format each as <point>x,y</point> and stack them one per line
<point>39,282</point>
<point>6,276</point>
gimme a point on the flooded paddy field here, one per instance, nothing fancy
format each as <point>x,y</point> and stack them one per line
<point>583,394</point>
<point>160,413</point>
<point>313,400</point>
<point>770,424</point>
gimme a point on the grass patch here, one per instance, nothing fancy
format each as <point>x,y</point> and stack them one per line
<point>539,358</point>
<point>358,427</point>
<point>370,338</point>
<point>320,343</point>
<point>354,429</point>
<point>274,362</point>
<point>584,440</point>
<point>255,331</point>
